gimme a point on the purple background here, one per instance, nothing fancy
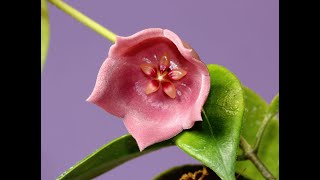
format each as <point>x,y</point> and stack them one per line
<point>240,35</point>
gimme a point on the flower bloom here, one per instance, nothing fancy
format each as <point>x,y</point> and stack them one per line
<point>155,82</point>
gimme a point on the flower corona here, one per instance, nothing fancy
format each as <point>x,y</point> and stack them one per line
<point>162,76</point>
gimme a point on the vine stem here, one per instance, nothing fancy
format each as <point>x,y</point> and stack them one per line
<point>260,132</point>
<point>251,155</point>
<point>272,111</point>
<point>84,19</point>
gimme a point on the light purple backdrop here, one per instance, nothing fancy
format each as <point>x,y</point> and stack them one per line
<point>240,35</point>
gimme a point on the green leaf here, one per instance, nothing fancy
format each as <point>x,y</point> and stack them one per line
<point>255,110</point>
<point>215,141</point>
<point>175,173</point>
<point>45,33</point>
<point>274,106</point>
<point>108,157</point>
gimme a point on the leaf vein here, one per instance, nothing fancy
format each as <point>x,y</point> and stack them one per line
<point>211,133</point>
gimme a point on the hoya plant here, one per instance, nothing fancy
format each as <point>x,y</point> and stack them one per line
<point>156,83</point>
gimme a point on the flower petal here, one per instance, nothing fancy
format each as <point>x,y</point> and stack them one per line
<point>176,74</point>
<point>201,68</point>
<point>152,86</point>
<point>118,82</point>
<point>149,69</point>
<point>130,41</point>
<point>148,130</point>
<point>187,53</point>
<point>169,89</point>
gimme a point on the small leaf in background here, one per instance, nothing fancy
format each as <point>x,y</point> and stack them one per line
<point>108,157</point>
<point>255,110</point>
<point>45,33</point>
<point>274,106</point>
<point>215,140</point>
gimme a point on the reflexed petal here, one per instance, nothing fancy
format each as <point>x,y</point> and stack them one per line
<point>169,89</point>
<point>149,69</point>
<point>159,125</point>
<point>118,82</point>
<point>152,86</point>
<point>177,74</point>
<point>186,52</point>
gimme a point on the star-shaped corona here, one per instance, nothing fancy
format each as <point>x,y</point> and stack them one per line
<point>161,76</point>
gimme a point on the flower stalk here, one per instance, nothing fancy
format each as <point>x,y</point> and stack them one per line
<point>84,19</point>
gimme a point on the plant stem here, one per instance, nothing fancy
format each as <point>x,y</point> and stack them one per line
<point>272,111</point>
<point>84,19</point>
<point>260,132</point>
<point>251,155</point>
<point>242,157</point>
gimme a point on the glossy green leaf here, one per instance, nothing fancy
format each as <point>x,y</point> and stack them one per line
<point>215,140</point>
<point>108,157</point>
<point>45,33</point>
<point>255,110</point>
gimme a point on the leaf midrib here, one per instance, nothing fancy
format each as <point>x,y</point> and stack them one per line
<point>215,141</point>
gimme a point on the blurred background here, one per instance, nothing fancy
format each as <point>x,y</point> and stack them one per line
<point>242,35</point>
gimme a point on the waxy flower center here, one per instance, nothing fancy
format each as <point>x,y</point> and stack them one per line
<point>162,76</point>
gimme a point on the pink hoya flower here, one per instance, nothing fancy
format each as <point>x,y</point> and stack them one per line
<point>155,82</point>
